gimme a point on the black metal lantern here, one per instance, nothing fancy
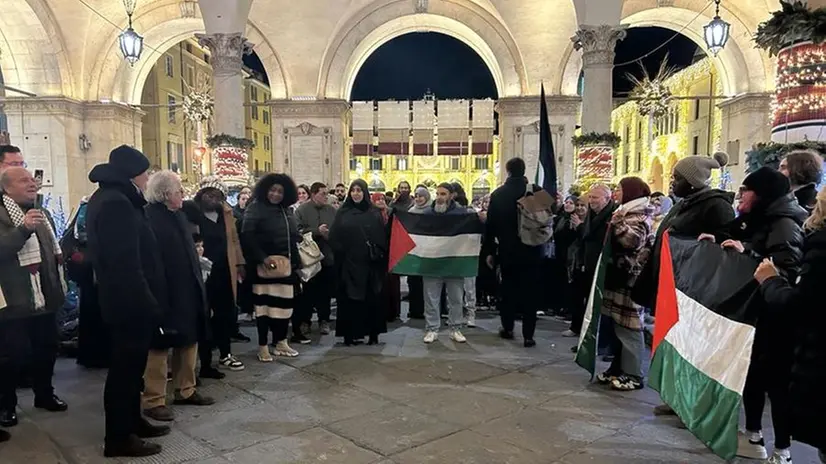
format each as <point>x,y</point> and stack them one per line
<point>131,43</point>
<point>716,32</point>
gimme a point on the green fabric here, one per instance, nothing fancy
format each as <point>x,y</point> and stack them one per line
<point>709,410</point>
<point>586,355</point>
<point>452,266</point>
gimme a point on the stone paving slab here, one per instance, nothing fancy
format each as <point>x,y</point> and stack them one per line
<point>489,401</point>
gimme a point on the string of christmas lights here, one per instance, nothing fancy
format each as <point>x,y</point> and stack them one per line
<point>595,162</point>
<point>231,163</point>
<point>800,93</point>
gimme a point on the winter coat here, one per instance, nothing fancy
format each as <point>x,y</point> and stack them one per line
<point>774,233</point>
<point>309,217</point>
<point>271,230</point>
<point>453,209</point>
<point>222,245</point>
<point>501,230</point>
<point>564,239</point>
<point>803,303</point>
<point>400,204</point>
<point>15,281</point>
<point>184,303</point>
<point>708,211</point>
<point>807,197</point>
<point>358,275</point>
<point>591,238</point>
<point>125,256</point>
<point>632,236</point>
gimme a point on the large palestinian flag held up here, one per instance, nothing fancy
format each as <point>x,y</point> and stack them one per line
<point>445,245</point>
<point>706,310</point>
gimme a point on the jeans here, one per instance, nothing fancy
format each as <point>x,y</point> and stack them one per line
<point>432,294</point>
<point>470,292</point>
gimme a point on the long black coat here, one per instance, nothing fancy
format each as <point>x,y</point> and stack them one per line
<point>184,300</point>
<point>359,278</point>
<point>501,231</point>
<point>804,304</point>
<point>125,256</point>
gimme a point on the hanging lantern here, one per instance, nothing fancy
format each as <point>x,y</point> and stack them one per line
<point>716,32</point>
<point>131,43</point>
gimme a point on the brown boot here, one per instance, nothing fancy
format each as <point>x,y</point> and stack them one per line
<point>160,413</point>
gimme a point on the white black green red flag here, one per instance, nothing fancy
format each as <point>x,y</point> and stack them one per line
<point>586,355</point>
<point>703,337</point>
<point>445,245</point>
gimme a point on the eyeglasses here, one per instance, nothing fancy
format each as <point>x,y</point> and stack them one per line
<point>14,164</point>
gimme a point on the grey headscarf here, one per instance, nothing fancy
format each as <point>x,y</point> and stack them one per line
<point>415,209</point>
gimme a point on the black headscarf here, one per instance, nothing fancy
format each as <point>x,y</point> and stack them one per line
<point>365,203</point>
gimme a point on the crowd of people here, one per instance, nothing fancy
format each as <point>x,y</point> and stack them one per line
<point>163,277</point>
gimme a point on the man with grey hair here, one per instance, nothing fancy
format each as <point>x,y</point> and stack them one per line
<point>32,289</point>
<point>183,304</point>
<point>590,239</point>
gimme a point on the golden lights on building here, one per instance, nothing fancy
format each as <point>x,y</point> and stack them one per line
<point>425,142</point>
<point>651,146</point>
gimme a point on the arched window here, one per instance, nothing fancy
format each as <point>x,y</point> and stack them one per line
<point>480,188</point>
<point>376,185</point>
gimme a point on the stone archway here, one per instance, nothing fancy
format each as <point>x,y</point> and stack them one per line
<point>163,28</point>
<point>657,176</point>
<point>741,67</point>
<point>33,56</point>
<point>376,24</point>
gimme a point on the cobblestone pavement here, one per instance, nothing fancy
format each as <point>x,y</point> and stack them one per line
<point>486,402</point>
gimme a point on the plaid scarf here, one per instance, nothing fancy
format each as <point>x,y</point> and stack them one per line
<point>29,256</point>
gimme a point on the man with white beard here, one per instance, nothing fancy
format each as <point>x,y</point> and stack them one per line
<point>454,286</point>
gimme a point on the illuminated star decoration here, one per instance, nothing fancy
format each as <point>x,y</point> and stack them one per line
<point>651,93</point>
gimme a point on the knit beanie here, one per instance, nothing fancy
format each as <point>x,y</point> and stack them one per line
<point>128,161</point>
<point>697,169</point>
<point>768,184</point>
<point>214,182</point>
<point>633,188</point>
<point>423,192</point>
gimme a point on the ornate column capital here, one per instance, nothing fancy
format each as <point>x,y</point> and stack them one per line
<point>597,43</point>
<point>227,50</point>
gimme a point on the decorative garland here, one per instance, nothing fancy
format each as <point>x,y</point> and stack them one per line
<point>794,23</point>
<point>226,140</point>
<point>198,106</point>
<point>593,139</point>
<point>770,154</point>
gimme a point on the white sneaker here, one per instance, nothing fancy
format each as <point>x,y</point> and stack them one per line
<point>282,348</point>
<point>778,458</point>
<point>750,449</point>
<point>231,362</point>
<point>264,354</point>
<point>569,334</point>
<point>457,336</point>
<point>471,321</point>
<point>430,336</point>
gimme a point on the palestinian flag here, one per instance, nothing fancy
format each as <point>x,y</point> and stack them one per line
<point>446,245</point>
<point>707,307</point>
<point>586,354</point>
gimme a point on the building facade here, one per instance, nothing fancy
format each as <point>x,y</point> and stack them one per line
<point>257,122</point>
<point>651,146</point>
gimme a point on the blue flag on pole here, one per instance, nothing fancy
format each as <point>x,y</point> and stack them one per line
<point>546,166</point>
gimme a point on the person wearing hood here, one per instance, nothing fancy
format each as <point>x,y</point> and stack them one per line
<point>415,285</point>
<point>632,236</point>
<point>129,270</point>
<point>403,201</point>
<point>211,216</point>
<point>769,227</point>
<point>804,168</point>
<point>802,300</point>
<point>359,242</point>
<point>662,204</point>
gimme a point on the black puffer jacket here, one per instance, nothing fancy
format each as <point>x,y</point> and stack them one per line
<point>708,211</point>
<point>270,230</point>
<point>804,304</point>
<point>501,230</point>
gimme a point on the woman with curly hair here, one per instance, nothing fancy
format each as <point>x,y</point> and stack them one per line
<point>270,234</point>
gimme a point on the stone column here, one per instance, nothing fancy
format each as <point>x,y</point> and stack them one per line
<point>597,44</point>
<point>519,133</point>
<point>309,139</point>
<point>226,52</point>
<point>746,122</point>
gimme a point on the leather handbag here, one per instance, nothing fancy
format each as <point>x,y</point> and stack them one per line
<point>280,266</point>
<point>311,257</point>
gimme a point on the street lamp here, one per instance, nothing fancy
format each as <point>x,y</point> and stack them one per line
<point>716,32</point>
<point>131,43</point>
